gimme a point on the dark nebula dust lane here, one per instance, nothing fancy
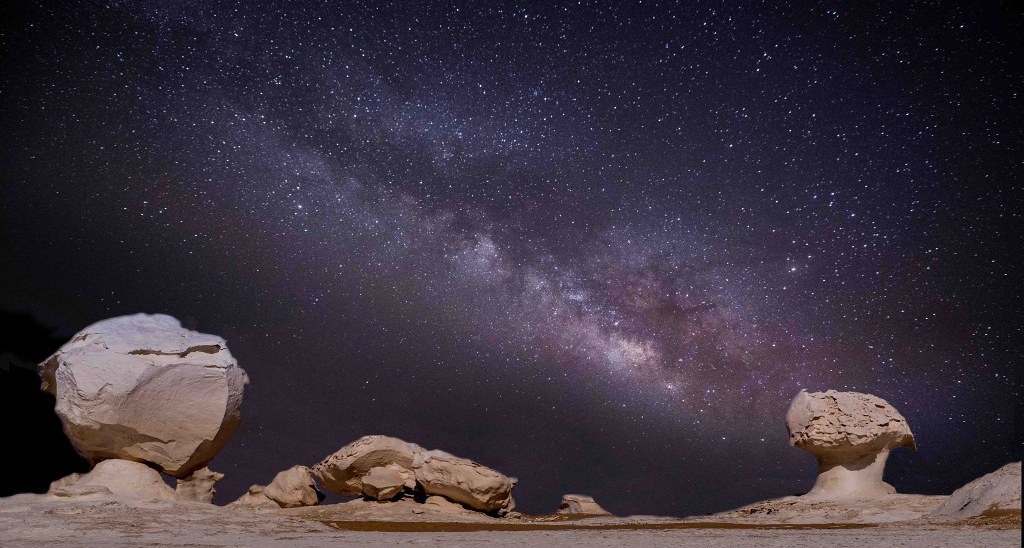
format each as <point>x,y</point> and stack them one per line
<point>596,246</point>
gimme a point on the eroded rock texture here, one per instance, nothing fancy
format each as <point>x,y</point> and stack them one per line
<point>850,434</point>
<point>996,492</point>
<point>198,487</point>
<point>294,487</point>
<point>381,468</point>
<point>117,478</point>
<point>143,388</point>
<point>581,504</point>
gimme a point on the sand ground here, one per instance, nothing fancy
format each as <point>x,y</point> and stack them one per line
<point>32,520</point>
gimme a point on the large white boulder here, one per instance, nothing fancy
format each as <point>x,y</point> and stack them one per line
<point>995,492</point>
<point>143,388</point>
<point>850,434</point>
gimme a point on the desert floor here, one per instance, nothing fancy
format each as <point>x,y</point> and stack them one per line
<point>33,520</point>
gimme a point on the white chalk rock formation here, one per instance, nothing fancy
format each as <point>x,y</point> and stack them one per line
<point>342,472</point>
<point>851,435</point>
<point>435,472</point>
<point>143,388</point>
<point>444,504</point>
<point>124,479</point>
<point>66,481</point>
<point>996,492</point>
<point>254,499</point>
<point>383,482</point>
<point>293,488</point>
<point>198,487</point>
<point>581,504</point>
<point>464,481</point>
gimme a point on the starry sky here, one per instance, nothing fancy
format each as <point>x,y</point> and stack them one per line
<point>598,246</point>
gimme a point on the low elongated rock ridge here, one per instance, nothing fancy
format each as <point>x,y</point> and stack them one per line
<point>383,468</point>
<point>995,492</point>
<point>143,388</point>
<point>850,434</point>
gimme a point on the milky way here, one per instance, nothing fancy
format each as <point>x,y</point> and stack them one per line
<point>598,247</point>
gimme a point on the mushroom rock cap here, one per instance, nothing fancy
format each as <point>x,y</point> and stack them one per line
<point>840,422</point>
<point>143,388</point>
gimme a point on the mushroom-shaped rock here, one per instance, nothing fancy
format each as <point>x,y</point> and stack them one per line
<point>993,492</point>
<point>851,435</point>
<point>198,487</point>
<point>125,479</point>
<point>143,388</point>
<point>294,487</point>
<point>464,481</point>
<point>383,482</point>
<point>581,504</point>
<point>341,473</point>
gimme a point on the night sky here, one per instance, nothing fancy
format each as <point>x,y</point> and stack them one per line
<point>596,246</point>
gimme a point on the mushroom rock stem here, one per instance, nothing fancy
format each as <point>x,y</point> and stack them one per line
<point>850,434</point>
<point>845,476</point>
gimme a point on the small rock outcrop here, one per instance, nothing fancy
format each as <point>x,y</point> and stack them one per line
<point>198,487</point>
<point>850,434</point>
<point>290,488</point>
<point>996,492</point>
<point>383,468</point>
<point>122,479</point>
<point>294,487</point>
<point>581,504</point>
<point>444,504</point>
<point>143,388</point>
<point>254,499</point>
<point>66,481</point>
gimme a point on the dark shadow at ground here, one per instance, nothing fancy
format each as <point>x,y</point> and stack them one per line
<point>35,451</point>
